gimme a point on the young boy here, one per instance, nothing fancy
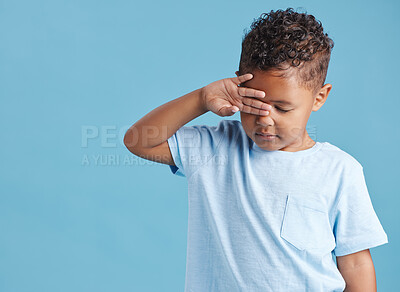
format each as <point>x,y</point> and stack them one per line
<point>269,208</point>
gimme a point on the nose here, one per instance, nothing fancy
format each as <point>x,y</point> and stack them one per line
<point>265,121</point>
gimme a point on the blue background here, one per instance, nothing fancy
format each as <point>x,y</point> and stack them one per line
<point>73,72</point>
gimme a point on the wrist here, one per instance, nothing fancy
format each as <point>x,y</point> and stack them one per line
<point>202,98</point>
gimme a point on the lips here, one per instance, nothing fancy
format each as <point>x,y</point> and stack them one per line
<point>266,137</point>
<point>265,134</point>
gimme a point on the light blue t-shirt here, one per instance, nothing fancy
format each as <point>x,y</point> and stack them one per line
<point>269,220</point>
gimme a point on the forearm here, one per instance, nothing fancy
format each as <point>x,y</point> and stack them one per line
<point>162,122</point>
<point>360,278</point>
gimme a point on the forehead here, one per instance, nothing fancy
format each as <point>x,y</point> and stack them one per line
<point>278,90</point>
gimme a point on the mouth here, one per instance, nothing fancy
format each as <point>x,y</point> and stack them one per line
<point>266,136</point>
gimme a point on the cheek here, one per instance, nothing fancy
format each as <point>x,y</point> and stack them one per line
<point>299,118</point>
<point>246,118</point>
<point>247,121</point>
<point>294,125</point>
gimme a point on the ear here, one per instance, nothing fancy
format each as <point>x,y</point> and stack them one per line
<point>321,97</point>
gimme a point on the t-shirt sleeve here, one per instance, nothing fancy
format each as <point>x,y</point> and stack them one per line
<point>192,146</point>
<point>356,225</point>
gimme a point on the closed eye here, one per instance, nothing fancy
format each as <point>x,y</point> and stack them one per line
<point>282,110</point>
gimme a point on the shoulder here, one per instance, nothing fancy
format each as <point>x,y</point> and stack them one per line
<point>229,126</point>
<point>234,134</point>
<point>225,136</point>
<point>228,130</point>
<point>205,137</point>
<point>340,157</point>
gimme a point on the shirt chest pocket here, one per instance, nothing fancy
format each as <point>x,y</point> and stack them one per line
<point>306,226</point>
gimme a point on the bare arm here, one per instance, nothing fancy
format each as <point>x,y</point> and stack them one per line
<point>157,126</point>
<point>147,138</point>
<point>358,271</point>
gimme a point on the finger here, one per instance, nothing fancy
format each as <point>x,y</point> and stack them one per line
<point>228,110</point>
<point>242,78</point>
<point>254,111</point>
<point>251,92</point>
<point>256,103</point>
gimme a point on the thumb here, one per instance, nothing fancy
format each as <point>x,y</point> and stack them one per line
<point>229,110</point>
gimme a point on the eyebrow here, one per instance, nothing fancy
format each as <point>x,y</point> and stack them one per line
<point>278,101</point>
<point>282,102</point>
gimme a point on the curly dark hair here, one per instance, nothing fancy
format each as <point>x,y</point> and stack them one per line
<point>281,41</point>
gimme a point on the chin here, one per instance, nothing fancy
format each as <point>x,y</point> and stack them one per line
<point>270,146</point>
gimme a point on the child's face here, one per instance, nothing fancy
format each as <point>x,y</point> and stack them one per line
<point>290,126</point>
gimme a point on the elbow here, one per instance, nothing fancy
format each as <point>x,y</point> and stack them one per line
<point>126,139</point>
<point>129,140</point>
<point>132,139</point>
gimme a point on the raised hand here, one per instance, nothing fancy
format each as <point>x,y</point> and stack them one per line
<point>225,97</point>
